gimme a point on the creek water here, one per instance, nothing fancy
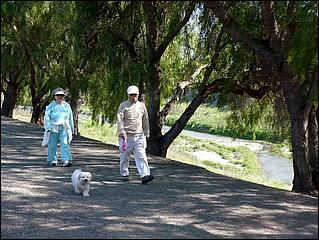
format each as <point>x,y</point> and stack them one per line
<point>272,167</point>
<point>275,167</point>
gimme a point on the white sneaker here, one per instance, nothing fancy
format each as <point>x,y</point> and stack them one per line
<point>67,163</point>
<point>54,163</point>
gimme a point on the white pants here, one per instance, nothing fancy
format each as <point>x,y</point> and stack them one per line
<point>134,144</point>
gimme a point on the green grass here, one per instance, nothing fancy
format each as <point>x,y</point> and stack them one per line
<point>244,162</point>
<point>182,148</point>
<point>205,119</point>
<point>281,149</point>
<point>106,133</point>
<point>213,121</point>
<point>22,115</point>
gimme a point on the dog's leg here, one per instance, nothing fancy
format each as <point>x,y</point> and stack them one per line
<point>86,192</point>
<point>77,191</point>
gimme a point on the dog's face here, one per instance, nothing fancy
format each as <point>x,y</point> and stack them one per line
<point>85,177</point>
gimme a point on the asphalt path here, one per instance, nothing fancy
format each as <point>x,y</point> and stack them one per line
<point>182,202</point>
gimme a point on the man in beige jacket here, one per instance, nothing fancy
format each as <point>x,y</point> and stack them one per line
<point>133,129</point>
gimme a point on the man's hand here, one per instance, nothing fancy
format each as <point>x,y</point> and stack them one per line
<point>123,135</point>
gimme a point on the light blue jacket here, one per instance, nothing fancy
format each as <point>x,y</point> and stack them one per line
<point>58,114</point>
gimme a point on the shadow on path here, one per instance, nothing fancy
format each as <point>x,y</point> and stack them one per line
<point>183,201</point>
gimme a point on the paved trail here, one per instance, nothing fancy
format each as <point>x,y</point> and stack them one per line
<point>183,201</point>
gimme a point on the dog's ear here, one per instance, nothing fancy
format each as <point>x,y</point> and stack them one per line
<point>79,177</point>
<point>90,174</point>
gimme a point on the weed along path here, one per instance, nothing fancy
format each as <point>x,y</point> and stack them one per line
<point>183,201</point>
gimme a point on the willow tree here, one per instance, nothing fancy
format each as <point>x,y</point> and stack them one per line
<point>32,27</point>
<point>286,42</point>
<point>75,65</point>
<point>40,48</point>
<point>134,39</point>
<point>104,66</point>
<point>13,59</point>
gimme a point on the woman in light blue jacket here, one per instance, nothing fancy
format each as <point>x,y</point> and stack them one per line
<point>58,123</point>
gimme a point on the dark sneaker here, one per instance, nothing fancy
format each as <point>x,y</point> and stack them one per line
<point>147,179</point>
<point>67,163</point>
<point>125,178</point>
<point>54,163</point>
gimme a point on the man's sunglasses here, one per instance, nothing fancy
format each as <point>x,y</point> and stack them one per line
<point>60,95</point>
<point>133,95</point>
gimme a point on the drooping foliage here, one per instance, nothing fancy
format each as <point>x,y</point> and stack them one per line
<point>95,49</point>
<point>279,43</point>
<point>243,68</point>
<point>121,43</point>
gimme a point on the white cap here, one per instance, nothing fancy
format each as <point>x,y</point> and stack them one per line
<point>132,90</point>
<point>59,93</point>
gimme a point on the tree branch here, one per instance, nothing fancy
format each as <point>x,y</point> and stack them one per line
<point>214,59</point>
<point>313,89</point>
<point>179,92</point>
<point>174,32</point>
<point>292,26</point>
<point>258,94</point>
<point>239,34</point>
<point>216,86</point>
<point>270,23</point>
<point>181,87</point>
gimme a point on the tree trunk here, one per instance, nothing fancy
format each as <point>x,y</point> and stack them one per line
<point>36,115</point>
<point>155,49</point>
<point>313,146</point>
<point>303,127</point>
<point>154,102</point>
<point>9,101</point>
<point>153,67</point>
<point>10,95</point>
<point>160,146</point>
<point>38,111</point>
<point>302,180</point>
<point>75,105</point>
<point>155,148</point>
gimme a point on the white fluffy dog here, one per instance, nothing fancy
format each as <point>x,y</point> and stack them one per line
<point>81,182</point>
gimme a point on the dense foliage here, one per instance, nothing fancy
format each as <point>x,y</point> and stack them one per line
<point>259,59</point>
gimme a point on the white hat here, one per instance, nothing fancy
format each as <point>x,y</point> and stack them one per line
<point>132,90</point>
<point>59,91</point>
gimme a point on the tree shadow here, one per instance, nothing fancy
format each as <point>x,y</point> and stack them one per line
<point>183,201</point>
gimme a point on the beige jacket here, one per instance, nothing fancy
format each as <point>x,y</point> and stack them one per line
<point>132,118</point>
